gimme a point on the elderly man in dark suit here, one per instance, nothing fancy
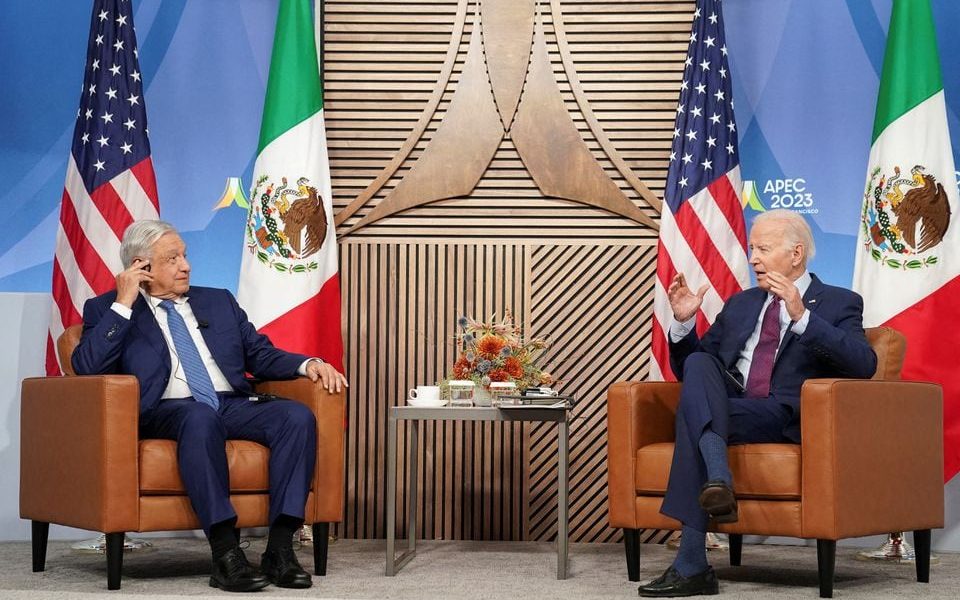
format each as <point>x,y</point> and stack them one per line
<point>190,348</point>
<point>741,381</point>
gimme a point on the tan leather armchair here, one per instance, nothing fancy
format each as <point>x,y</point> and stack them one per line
<point>82,464</point>
<point>870,462</point>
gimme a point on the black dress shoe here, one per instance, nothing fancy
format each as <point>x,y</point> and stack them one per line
<point>283,570</point>
<point>232,573</point>
<point>672,585</point>
<point>718,500</point>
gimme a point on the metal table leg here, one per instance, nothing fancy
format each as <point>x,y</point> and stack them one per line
<point>563,451</point>
<point>391,494</point>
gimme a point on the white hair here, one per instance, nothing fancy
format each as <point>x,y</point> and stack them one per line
<point>795,228</point>
<point>140,237</point>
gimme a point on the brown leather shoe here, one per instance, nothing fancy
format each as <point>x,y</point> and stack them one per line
<point>719,501</point>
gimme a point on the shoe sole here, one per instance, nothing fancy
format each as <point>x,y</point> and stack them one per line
<point>720,504</point>
<point>253,588</point>
<point>709,592</point>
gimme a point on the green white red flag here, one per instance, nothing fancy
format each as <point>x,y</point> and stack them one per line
<point>289,284</point>
<point>908,259</point>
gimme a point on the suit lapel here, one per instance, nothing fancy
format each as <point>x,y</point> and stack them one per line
<point>202,311</point>
<point>811,300</point>
<point>146,322</point>
<point>749,319</point>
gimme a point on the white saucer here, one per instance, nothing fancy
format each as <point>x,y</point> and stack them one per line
<point>426,403</point>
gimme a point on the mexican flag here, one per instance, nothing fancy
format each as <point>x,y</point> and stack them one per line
<point>908,257</point>
<point>289,284</point>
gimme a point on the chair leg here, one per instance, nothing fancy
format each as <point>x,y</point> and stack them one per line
<point>39,533</point>
<point>631,544</point>
<point>921,546</point>
<point>736,549</point>
<point>321,541</point>
<point>826,559</point>
<point>114,559</point>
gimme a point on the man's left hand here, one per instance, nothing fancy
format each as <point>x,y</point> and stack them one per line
<point>329,378</point>
<point>782,286</point>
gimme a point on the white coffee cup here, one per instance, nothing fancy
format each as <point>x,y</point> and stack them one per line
<point>425,393</point>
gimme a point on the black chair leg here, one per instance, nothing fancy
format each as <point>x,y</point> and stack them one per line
<point>114,559</point>
<point>736,549</point>
<point>631,543</point>
<point>39,533</point>
<point>321,542</point>
<point>921,545</point>
<point>826,559</point>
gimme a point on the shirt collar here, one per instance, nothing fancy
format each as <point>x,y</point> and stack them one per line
<point>154,302</point>
<point>802,283</point>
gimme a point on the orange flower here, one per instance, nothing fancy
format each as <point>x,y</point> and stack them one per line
<point>498,375</point>
<point>513,367</point>
<point>461,369</point>
<point>490,345</point>
<point>546,379</point>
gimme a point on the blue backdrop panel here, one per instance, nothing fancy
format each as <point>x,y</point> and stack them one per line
<point>805,76</point>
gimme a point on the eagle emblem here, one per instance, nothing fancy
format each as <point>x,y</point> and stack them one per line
<point>904,218</point>
<point>286,224</point>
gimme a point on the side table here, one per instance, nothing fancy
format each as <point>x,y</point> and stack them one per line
<point>414,415</point>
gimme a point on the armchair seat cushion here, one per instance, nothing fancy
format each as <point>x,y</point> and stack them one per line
<point>773,472</point>
<point>159,475</point>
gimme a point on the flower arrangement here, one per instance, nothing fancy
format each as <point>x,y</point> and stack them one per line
<point>496,351</point>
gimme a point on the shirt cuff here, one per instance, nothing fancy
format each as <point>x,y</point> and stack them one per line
<point>801,324</point>
<point>122,310</point>
<point>679,330</point>
<point>303,366</point>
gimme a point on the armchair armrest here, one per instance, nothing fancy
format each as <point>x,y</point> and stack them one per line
<point>78,451</point>
<point>330,411</point>
<point>872,457</point>
<point>638,414</point>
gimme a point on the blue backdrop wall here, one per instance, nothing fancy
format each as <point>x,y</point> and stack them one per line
<point>805,78</point>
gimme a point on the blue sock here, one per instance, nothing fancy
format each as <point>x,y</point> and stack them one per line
<point>692,556</point>
<point>713,448</point>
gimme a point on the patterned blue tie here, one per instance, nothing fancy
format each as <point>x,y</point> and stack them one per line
<point>198,379</point>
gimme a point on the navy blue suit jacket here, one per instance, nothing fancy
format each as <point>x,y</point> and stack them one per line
<point>833,344</point>
<point>111,344</point>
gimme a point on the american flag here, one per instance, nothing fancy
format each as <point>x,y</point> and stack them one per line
<point>702,232</point>
<point>110,181</point>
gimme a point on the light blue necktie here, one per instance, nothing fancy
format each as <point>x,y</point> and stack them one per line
<point>198,379</point>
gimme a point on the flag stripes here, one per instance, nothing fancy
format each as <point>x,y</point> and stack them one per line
<point>110,181</point>
<point>702,232</point>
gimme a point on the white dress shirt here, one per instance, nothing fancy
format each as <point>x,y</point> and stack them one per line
<point>679,330</point>
<point>177,385</point>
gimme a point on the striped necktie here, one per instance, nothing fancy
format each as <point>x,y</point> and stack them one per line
<point>198,379</point>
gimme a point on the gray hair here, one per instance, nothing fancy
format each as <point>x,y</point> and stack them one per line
<point>140,237</point>
<point>795,228</point>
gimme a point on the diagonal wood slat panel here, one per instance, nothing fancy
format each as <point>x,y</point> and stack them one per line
<point>573,271</point>
<point>595,311</point>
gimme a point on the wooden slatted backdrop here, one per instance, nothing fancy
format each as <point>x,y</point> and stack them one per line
<point>468,181</point>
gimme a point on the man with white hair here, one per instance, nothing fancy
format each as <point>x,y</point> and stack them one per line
<point>190,348</point>
<point>742,379</point>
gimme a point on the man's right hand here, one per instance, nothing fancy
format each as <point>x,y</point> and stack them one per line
<point>129,280</point>
<point>684,302</point>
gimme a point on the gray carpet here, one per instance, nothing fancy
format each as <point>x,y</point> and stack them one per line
<point>464,570</point>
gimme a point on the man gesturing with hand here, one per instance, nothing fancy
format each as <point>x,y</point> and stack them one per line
<point>742,379</point>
